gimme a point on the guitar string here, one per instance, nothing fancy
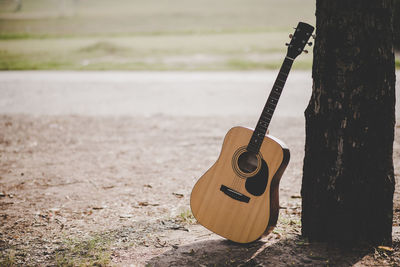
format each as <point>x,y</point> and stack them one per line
<point>233,182</point>
<point>237,182</point>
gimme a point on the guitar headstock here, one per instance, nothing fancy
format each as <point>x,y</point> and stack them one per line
<point>299,39</point>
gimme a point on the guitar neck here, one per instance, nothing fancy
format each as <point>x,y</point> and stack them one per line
<point>269,108</point>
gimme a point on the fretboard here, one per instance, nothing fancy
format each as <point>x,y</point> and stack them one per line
<point>269,108</point>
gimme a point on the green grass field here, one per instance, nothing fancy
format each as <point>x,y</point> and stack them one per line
<point>149,34</point>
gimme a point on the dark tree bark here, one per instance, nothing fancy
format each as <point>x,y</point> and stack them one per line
<point>396,24</point>
<point>348,178</point>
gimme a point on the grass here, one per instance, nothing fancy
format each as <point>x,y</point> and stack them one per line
<point>187,217</point>
<point>149,35</point>
<point>95,251</point>
<point>8,259</point>
<point>225,51</point>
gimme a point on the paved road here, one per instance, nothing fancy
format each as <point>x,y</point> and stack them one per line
<point>149,93</point>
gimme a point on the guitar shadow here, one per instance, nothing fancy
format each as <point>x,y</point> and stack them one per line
<point>286,252</point>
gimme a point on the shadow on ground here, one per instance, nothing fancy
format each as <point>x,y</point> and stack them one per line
<point>287,252</point>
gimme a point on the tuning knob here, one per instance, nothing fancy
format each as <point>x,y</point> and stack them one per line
<point>305,51</point>
<point>287,44</point>
<point>290,36</point>
<point>313,36</point>
<point>309,43</point>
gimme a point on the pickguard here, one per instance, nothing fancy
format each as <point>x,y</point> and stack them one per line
<point>257,183</point>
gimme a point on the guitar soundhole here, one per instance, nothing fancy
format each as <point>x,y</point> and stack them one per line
<point>248,162</point>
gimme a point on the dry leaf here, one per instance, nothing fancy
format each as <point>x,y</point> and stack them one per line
<point>99,207</point>
<point>145,203</point>
<point>385,249</point>
<point>178,195</point>
<point>125,216</point>
<point>108,186</point>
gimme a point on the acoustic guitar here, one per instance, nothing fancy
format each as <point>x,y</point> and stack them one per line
<point>238,197</point>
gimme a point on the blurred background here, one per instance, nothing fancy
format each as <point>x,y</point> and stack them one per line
<point>149,34</point>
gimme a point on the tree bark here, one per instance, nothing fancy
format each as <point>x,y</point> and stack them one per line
<point>348,178</point>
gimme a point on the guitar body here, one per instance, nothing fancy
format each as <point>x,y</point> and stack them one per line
<point>237,201</point>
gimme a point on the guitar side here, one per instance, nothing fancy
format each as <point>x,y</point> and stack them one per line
<point>220,200</point>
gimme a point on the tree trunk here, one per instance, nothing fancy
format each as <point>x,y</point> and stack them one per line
<point>396,24</point>
<point>348,178</point>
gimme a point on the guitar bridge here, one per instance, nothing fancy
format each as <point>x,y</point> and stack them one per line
<point>234,194</point>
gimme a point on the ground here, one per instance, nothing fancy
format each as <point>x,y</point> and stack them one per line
<point>84,181</point>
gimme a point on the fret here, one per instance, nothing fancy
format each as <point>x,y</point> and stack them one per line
<point>279,84</point>
<point>268,107</point>
<point>286,74</point>
<point>262,127</point>
<point>286,65</point>
<point>262,130</point>
<point>265,116</point>
<point>265,122</point>
<point>282,76</point>
<point>265,125</point>
<point>275,94</point>
<point>260,134</point>
<point>266,119</point>
<point>273,101</point>
<point>252,148</point>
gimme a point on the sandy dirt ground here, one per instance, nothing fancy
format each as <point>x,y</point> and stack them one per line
<point>97,168</point>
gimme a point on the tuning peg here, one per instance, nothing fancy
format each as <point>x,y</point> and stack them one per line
<point>313,36</point>
<point>287,44</point>
<point>290,36</point>
<point>305,51</point>
<point>309,43</point>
